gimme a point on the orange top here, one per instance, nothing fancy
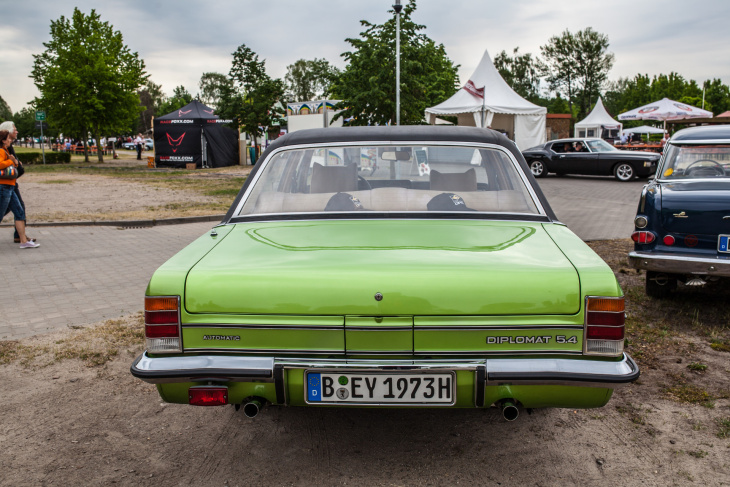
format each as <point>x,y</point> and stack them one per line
<point>6,161</point>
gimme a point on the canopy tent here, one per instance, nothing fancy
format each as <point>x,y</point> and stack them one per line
<point>487,101</point>
<point>194,134</point>
<point>597,122</point>
<point>665,109</point>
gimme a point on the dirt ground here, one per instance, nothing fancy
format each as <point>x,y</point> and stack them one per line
<point>73,415</point>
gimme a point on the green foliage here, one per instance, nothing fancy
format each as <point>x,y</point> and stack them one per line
<point>88,78</point>
<point>253,95</point>
<point>577,66</point>
<point>522,73</point>
<point>212,87</point>
<point>25,123</point>
<point>51,157</point>
<point>367,85</point>
<point>180,97</point>
<point>309,79</point>
<point>5,112</point>
<point>150,98</point>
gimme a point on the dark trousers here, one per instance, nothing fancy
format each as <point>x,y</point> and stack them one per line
<point>139,152</point>
<point>22,203</point>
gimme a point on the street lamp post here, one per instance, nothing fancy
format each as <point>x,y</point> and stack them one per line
<point>397,7</point>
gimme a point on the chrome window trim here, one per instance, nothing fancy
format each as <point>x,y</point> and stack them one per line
<point>480,145</point>
<point>699,142</point>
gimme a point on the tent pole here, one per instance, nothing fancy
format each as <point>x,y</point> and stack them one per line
<point>484,114</point>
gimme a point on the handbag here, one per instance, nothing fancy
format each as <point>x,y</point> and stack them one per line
<point>9,173</point>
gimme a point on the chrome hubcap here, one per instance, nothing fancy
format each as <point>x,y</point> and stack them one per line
<point>624,172</point>
<point>536,168</point>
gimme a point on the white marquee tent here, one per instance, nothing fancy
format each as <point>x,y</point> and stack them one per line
<point>487,101</point>
<point>596,122</point>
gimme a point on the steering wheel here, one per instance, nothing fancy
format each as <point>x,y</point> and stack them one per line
<point>363,183</point>
<point>717,167</point>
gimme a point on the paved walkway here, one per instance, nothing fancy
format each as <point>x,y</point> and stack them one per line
<point>82,275</point>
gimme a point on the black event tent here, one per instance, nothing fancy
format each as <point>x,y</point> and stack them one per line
<point>194,134</point>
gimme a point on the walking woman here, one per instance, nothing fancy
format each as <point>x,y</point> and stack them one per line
<point>8,197</point>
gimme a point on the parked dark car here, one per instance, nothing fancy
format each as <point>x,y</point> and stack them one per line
<point>591,157</point>
<point>683,220</point>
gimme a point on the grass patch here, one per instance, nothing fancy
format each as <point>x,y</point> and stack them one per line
<point>724,427</point>
<point>720,345</point>
<point>58,181</point>
<point>691,394</point>
<point>697,367</point>
<point>94,346</point>
<point>697,453</point>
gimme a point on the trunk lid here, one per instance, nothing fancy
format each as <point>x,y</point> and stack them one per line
<point>420,267</point>
<point>696,208</point>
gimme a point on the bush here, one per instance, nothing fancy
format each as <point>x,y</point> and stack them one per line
<point>51,157</point>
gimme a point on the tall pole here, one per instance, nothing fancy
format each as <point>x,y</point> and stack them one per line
<point>397,7</point>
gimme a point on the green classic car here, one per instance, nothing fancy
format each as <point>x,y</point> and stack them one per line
<point>393,267</point>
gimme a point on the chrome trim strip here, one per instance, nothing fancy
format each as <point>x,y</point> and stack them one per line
<point>521,351</point>
<point>399,143</point>
<point>680,264</point>
<point>379,328</point>
<point>267,351</point>
<point>699,142</point>
<point>497,328</point>
<point>235,326</point>
<point>529,370</point>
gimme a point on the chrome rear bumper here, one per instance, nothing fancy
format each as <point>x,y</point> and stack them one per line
<point>680,264</point>
<point>490,372</point>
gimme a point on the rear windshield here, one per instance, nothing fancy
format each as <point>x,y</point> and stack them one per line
<point>696,162</point>
<point>389,179</point>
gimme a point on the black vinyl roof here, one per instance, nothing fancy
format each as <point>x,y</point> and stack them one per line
<point>707,132</point>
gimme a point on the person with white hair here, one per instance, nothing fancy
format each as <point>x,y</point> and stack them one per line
<point>13,135</point>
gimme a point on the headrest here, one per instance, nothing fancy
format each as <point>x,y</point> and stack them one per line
<point>344,202</point>
<point>331,179</point>
<point>447,202</point>
<point>460,181</point>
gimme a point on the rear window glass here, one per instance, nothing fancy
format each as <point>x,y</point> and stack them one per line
<point>696,162</point>
<point>408,178</point>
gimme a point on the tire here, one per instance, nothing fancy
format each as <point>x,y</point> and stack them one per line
<point>659,285</point>
<point>624,172</point>
<point>537,168</point>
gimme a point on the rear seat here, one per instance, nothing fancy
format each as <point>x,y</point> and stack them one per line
<point>392,199</point>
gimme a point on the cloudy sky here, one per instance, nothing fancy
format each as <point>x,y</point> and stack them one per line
<point>181,39</point>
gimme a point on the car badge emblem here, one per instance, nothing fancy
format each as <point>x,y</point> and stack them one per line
<point>681,215</point>
<point>378,297</point>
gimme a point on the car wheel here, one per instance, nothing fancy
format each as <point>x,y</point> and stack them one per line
<point>624,171</point>
<point>659,285</point>
<point>538,168</point>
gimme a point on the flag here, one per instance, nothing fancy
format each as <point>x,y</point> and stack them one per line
<point>471,88</point>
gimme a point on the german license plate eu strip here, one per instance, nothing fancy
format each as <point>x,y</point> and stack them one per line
<point>723,243</point>
<point>375,388</point>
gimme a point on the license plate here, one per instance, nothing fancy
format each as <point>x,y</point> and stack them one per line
<point>380,388</point>
<point>722,243</point>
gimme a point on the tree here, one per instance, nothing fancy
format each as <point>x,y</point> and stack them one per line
<point>253,95</point>
<point>717,95</point>
<point>212,87</point>
<point>150,98</point>
<point>367,85</point>
<point>577,66</point>
<point>88,78</point>
<point>180,97</point>
<point>5,112</point>
<point>309,79</point>
<point>521,72</point>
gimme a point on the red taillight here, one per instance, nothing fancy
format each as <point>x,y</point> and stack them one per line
<point>208,396</point>
<point>162,324</point>
<point>605,320</point>
<point>668,240</point>
<point>161,331</point>
<point>643,237</point>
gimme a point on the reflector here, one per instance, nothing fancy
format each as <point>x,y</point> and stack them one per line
<point>643,237</point>
<point>605,319</point>
<point>160,317</point>
<point>161,331</point>
<point>208,396</point>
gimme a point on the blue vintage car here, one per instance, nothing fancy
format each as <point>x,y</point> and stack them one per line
<point>683,221</point>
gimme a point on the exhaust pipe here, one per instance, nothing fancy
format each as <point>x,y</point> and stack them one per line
<point>509,410</point>
<point>253,407</point>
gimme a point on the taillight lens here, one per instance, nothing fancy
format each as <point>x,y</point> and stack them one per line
<point>605,326</point>
<point>162,324</point>
<point>643,237</point>
<point>208,396</point>
<point>668,240</point>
